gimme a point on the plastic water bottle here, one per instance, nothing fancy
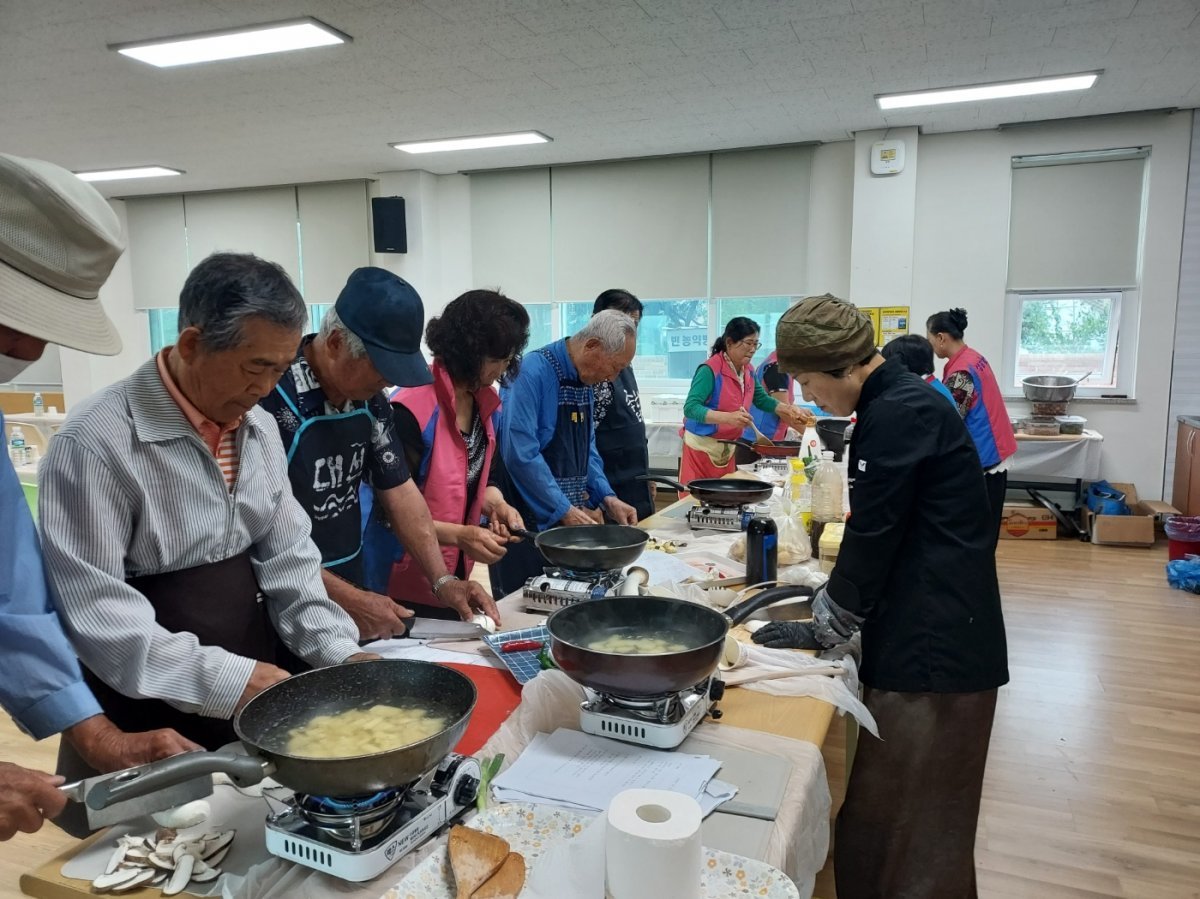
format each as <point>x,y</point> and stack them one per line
<point>16,446</point>
<point>800,495</point>
<point>39,406</point>
<point>826,495</point>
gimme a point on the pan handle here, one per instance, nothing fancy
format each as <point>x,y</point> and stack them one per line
<point>764,598</point>
<point>531,536</point>
<point>243,770</point>
<point>661,480</point>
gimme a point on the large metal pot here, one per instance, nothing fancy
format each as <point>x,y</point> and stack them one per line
<point>1051,388</point>
<point>589,547</point>
<point>701,629</point>
<point>265,723</point>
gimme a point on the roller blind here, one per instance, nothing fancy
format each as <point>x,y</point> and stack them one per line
<point>1075,225</point>
<point>760,221</point>
<point>642,225</point>
<point>510,233</point>
<point>262,222</point>
<point>334,236</point>
<point>158,253</point>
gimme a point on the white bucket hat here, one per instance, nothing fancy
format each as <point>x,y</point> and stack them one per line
<point>59,240</point>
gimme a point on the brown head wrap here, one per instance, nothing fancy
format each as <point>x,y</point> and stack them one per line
<point>823,334</point>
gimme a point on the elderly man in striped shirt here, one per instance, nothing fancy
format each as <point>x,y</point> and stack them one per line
<point>179,556</point>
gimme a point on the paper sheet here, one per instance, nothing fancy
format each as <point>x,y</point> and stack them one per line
<point>576,770</point>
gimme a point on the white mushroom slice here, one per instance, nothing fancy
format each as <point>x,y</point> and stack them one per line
<point>114,860</point>
<point>164,862</point>
<point>212,847</point>
<point>180,877</point>
<point>194,848</point>
<point>187,815</point>
<point>208,876</point>
<point>217,857</point>
<point>160,877</point>
<point>106,882</point>
<point>144,876</point>
<point>165,834</point>
<point>138,854</point>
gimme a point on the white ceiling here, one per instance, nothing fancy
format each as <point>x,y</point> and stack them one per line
<point>606,79</point>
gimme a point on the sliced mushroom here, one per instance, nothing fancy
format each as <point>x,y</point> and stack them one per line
<point>194,848</point>
<point>212,847</point>
<point>144,876</point>
<point>163,862</point>
<point>217,857</point>
<point>106,882</point>
<point>114,860</point>
<point>180,877</point>
<point>208,876</point>
<point>187,815</point>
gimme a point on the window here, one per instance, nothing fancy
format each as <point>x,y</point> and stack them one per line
<point>1071,333</point>
<point>672,337</point>
<point>540,329</point>
<point>164,324</point>
<point>766,311</point>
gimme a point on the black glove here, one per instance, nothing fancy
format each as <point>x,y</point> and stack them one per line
<point>787,635</point>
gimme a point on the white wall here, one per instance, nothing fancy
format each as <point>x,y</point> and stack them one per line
<point>82,373</point>
<point>961,254</point>
<point>881,254</point>
<point>831,219</point>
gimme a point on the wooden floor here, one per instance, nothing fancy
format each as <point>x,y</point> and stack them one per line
<point>1093,782</point>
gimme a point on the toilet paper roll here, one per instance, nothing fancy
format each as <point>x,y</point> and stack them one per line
<point>652,846</point>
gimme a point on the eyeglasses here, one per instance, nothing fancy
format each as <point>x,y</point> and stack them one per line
<point>750,344</point>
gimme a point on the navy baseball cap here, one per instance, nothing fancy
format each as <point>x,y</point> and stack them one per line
<point>385,312</point>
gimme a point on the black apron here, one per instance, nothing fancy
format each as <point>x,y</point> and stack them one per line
<point>567,456</point>
<point>221,604</point>
<point>621,442</point>
<point>326,462</point>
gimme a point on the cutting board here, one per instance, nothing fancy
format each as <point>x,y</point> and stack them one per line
<point>499,694</point>
<point>760,778</point>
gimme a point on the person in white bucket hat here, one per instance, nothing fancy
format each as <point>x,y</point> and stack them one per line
<point>59,240</point>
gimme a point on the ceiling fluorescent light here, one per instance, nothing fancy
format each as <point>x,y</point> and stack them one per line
<point>996,91</point>
<point>142,171</point>
<point>481,142</point>
<point>232,43</point>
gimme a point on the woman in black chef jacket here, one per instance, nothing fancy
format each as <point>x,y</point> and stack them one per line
<point>916,577</point>
<point>620,429</point>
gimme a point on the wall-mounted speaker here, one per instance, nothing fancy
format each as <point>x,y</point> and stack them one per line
<point>387,221</point>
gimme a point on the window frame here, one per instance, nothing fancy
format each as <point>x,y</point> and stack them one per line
<point>1122,341</point>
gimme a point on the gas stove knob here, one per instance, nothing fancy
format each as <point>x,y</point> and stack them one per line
<point>466,790</point>
<point>716,689</point>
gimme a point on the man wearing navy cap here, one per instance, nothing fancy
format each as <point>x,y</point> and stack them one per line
<point>338,432</point>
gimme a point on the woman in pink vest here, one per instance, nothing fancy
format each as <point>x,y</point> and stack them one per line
<point>972,385</point>
<point>718,403</point>
<point>448,432</point>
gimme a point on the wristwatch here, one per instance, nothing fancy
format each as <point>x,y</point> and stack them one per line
<point>442,582</point>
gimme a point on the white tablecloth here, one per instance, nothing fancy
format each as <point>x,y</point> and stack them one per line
<point>1075,459</point>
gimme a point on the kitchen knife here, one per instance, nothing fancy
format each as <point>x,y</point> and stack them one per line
<point>158,801</point>
<point>438,629</point>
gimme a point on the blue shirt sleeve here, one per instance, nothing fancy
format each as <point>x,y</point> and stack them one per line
<point>42,687</point>
<point>527,423</point>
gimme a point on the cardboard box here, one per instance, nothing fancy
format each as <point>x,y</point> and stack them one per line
<point>1026,520</point>
<point>1137,529</point>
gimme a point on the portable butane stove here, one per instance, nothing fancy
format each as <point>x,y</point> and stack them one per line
<point>719,518</point>
<point>779,466</point>
<point>660,722</point>
<point>560,587</point>
<point>360,837</point>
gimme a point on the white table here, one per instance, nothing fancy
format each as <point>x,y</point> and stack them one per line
<point>46,425</point>
<point>1074,457</point>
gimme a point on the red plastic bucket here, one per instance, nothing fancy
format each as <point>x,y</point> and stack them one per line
<point>1183,536</point>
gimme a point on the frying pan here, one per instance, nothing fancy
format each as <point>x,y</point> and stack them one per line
<point>720,491</point>
<point>780,448</point>
<point>264,725</point>
<point>701,629</point>
<point>589,547</point>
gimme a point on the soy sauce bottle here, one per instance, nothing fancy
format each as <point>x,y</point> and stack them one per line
<point>762,550</point>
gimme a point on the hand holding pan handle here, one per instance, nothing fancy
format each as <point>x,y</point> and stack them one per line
<point>764,598</point>
<point>243,770</point>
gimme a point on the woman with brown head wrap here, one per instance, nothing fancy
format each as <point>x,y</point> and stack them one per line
<point>916,575</point>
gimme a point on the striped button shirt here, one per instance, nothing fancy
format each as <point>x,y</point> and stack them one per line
<point>129,488</point>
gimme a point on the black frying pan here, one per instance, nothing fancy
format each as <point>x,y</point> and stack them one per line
<point>594,547</point>
<point>776,450</point>
<point>265,722</point>
<point>701,629</point>
<point>720,491</point>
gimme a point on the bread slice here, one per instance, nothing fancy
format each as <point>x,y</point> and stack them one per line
<point>507,882</point>
<point>474,857</point>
